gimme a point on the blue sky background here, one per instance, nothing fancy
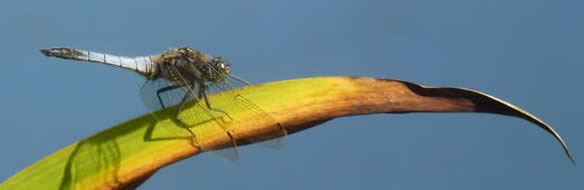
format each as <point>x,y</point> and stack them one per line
<point>528,52</point>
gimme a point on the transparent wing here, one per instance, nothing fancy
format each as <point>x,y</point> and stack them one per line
<point>276,137</point>
<point>160,93</point>
<point>155,97</point>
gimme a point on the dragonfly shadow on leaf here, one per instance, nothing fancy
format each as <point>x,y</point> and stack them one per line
<point>166,126</point>
<point>94,155</point>
<point>149,135</point>
<point>90,157</point>
<point>102,154</point>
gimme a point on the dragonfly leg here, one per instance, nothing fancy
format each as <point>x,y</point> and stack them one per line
<point>182,103</point>
<point>202,90</point>
<point>168,88</point>
<point>182,123</point>
<point>203,94</point>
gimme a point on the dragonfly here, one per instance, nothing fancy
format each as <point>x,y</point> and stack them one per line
<point>183,77</point>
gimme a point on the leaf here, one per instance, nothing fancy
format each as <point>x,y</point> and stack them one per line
<point>124,156</point>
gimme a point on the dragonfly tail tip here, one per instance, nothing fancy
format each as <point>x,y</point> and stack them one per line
<point>46,51</point>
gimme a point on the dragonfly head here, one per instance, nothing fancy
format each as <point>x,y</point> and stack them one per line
<point>222,69</point>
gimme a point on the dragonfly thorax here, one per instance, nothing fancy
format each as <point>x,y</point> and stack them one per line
<point>188,66</point>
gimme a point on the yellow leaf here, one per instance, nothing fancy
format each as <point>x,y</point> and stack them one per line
<point>123,156</point>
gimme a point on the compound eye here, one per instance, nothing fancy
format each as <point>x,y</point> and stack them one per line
<point>226,67</point>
